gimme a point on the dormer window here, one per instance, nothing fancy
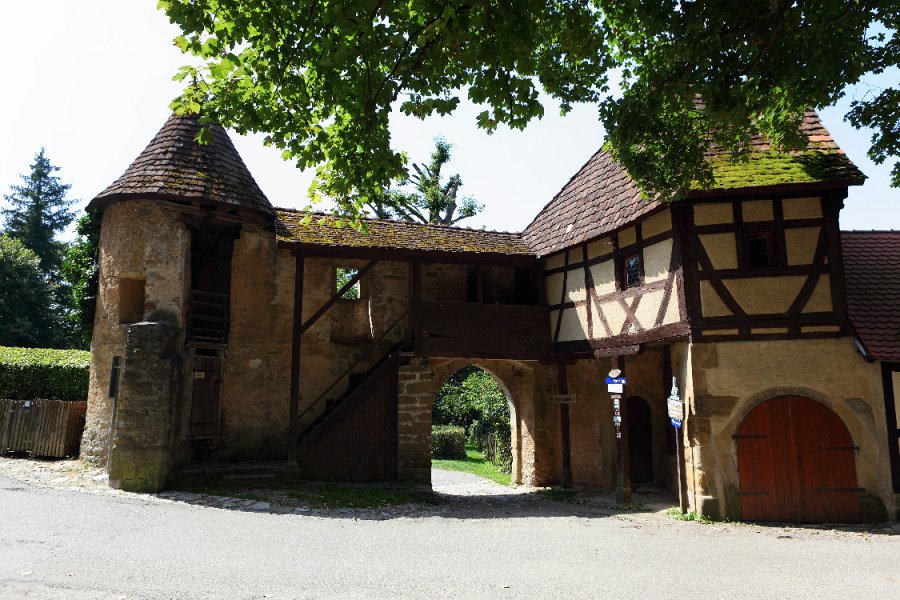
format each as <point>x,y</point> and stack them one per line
<point>760,250</point>
<point>632,271</point>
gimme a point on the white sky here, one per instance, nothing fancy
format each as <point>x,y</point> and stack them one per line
<point>91,82</point>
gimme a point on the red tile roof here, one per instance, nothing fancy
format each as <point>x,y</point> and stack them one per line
<point>174,166</point>
<point>322,230</point>
<point>872,272</point>
<point>602,197</point>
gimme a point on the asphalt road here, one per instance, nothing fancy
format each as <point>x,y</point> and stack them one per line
<point>71,544</point>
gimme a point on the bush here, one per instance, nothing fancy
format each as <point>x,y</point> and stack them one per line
<point>448,441</point>
<point>33,373</point>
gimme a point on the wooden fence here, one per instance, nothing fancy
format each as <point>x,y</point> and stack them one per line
<point>50,428</point>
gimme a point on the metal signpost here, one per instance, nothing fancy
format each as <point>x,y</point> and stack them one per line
<point>676,414</point>
<point>615,385</point>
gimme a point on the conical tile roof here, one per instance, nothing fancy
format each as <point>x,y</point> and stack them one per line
<point>176,167</point>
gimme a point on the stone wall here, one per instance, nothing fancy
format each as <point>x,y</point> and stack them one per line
<point>535,427</point>
<point>145,244</point>
<point>141,452</point>
<point>256,378</point>
<point>723,382</point>
<point>414,401</point>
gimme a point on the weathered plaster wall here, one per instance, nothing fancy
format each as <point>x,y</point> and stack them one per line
<point>256,377</point>
<point>608,316</point>
<point>139,240</point>
<point>722,382</point>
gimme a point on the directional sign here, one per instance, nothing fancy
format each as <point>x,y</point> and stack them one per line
<point>614,380</point>
<point>676,408</point>
<point>676,422</point>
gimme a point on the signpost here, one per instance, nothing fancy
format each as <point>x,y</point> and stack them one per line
<point>675,406</point>
<point>615,385</point>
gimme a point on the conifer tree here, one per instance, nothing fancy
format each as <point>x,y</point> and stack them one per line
<point>39,210</point>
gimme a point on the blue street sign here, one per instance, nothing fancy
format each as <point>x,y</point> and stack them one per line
<point>676,422</point>
<point>615,381</point>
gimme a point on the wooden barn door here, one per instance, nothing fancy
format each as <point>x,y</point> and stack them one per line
<point>358,442</point>
<point>796,463</point>
<point>640,440</point>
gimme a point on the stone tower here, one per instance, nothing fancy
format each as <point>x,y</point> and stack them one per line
<point>162,318</point>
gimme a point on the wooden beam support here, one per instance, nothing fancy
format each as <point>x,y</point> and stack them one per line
<point>565,478</point>
<point>337,296</point>
<point>295,358</point>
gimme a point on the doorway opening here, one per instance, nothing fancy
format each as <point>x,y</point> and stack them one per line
<point>472,427</point>
<point>640,440</point>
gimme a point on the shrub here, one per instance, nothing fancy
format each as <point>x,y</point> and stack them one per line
<point>33,373</point>
<point>448,441</point>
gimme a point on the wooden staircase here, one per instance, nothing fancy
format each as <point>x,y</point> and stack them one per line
<point>354,438</point>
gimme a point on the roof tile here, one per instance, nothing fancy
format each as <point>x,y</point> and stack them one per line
<point>323,230</point>
<point>176,167</point>
<point>872,273</point>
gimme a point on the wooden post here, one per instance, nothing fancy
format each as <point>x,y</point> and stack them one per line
<point>295,359</point>
<point>415,291</point>
<point>679,446</point>
<point>565,479</point>
<point>623,466</point>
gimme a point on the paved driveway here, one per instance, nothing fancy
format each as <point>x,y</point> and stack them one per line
<point>69,542</point>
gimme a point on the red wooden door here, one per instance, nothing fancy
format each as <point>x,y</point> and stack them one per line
<point>796,463</point>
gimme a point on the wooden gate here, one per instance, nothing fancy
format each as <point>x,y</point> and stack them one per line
<point>50,428</point>
<point>796,464</point>
<point>206,393</point>
<point>358,440</point>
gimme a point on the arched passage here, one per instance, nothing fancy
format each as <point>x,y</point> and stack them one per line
<point>472,395</point>
<point>796,463</point>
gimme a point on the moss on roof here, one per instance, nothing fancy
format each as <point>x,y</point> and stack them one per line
<point>297,227</point>
<point>780,168</point>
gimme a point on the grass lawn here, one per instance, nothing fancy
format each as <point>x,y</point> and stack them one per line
<point>474,463</point>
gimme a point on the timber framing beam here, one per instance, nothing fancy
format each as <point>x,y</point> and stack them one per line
<point>295,357</point>
<point>337,296</point>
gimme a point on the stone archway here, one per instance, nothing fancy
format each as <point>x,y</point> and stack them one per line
<point>796,463</point>
<point>417,386</point>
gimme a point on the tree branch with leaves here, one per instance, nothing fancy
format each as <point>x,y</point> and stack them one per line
<point>321,79</point>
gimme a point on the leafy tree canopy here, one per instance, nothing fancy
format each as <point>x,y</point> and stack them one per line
<point>39,211</point>
<point>468,395</point>
<point>320,78</point>
<point>25,315</point>
<point>431,200</point>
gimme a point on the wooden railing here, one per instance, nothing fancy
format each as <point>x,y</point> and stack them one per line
<point>472,330</point>
<point>208,317</point>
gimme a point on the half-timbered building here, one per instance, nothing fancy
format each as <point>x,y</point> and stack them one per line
<point>221,332</point>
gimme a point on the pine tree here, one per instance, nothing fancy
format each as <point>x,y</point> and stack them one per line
<point>39,210</point>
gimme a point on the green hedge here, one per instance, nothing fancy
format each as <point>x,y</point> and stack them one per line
<point>448,441</point>
<point>33,373</point>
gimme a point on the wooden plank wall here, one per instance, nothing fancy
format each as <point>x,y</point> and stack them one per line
<point>49,428</point>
